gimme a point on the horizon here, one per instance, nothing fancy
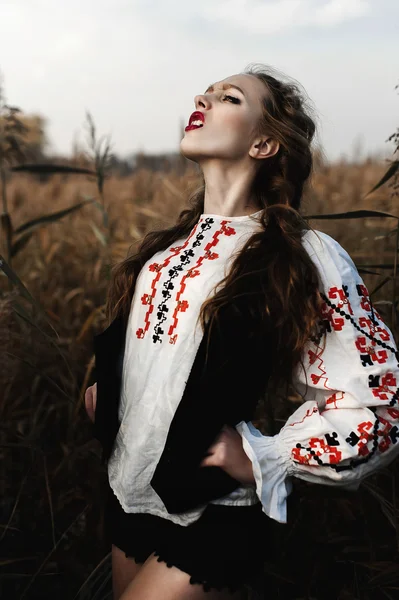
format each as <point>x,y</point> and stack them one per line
<point>342,53</point>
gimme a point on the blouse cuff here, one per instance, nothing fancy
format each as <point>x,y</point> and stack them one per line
<point>270,461</point>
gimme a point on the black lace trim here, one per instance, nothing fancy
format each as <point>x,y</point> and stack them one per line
<point>216,583</point>
<point>137,557</point>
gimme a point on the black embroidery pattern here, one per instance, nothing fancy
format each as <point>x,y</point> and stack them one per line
<point>382,433</point>
<point>168,285</point>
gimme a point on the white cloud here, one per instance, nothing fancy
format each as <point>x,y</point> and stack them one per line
<point>338,11</point>
<point>257,16</point>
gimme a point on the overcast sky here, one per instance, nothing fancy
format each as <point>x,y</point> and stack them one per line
<point>136,65</point>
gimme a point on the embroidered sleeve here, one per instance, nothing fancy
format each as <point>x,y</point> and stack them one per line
<point>348,426</point>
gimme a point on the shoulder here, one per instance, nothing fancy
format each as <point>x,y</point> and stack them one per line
<point>331,259</point>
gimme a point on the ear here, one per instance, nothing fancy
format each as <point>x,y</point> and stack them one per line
<point>264,148</point>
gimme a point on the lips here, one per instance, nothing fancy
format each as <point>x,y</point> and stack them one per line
<point>197,117</point>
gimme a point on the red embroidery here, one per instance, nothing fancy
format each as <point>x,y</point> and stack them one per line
<point>157,268</point>
<point>365,346</point>
<point>393,412</point>
<point>225,230</point>
<point>149,301</point>
<point>334,399</point>
<point>316,377</point>
<point>228,230</point>
<point>365,436</point>
<point>319,447</point>
<point>366,322</point>
<point>384,433</point>
<point>193,273</point>
<point>154,267</point>
<point>365,298</point>
<point>330,314</point>
<point>384,334</point>
<point>298,457</point>
<point>309,413</point>
<point>338,293</point>
<point>384,445</point>
<point>387,387</point>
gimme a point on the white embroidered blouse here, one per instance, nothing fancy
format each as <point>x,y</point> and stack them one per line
<point>345,430</point>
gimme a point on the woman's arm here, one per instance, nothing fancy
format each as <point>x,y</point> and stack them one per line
<point>348,426</point>
<point>90,401</point>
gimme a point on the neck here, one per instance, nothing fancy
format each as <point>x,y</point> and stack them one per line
<point>227,190</point>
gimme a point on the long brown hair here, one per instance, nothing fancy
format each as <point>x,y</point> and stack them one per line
<point>273,259</point>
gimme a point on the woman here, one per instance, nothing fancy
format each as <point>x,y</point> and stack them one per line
<point>240,292</point>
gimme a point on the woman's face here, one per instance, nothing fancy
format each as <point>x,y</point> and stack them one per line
<point>230,120</point>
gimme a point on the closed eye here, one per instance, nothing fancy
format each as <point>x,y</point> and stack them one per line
<point>233,98</point>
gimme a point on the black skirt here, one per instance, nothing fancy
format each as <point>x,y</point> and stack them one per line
<point>225,548</point>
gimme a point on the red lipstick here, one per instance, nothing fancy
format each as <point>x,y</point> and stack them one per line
<point>196,121</point>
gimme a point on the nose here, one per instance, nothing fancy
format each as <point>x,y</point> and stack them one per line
<point>201,100</point>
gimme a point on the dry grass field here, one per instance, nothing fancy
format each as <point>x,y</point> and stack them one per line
<point>51,478</point>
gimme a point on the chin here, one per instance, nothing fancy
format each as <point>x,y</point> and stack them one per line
<point>187,152</point>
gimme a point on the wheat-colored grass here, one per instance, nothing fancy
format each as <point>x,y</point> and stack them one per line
<point>51,470</point>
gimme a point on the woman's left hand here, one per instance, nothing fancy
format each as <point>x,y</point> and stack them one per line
<point>227,452</point>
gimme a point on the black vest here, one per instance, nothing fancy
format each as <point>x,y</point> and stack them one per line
<point>224,389</point>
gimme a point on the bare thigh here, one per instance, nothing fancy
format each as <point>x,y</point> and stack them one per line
<point>157,581</point>
<point>124,570</point>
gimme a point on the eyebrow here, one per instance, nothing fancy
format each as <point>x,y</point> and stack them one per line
<point>225,86</point>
